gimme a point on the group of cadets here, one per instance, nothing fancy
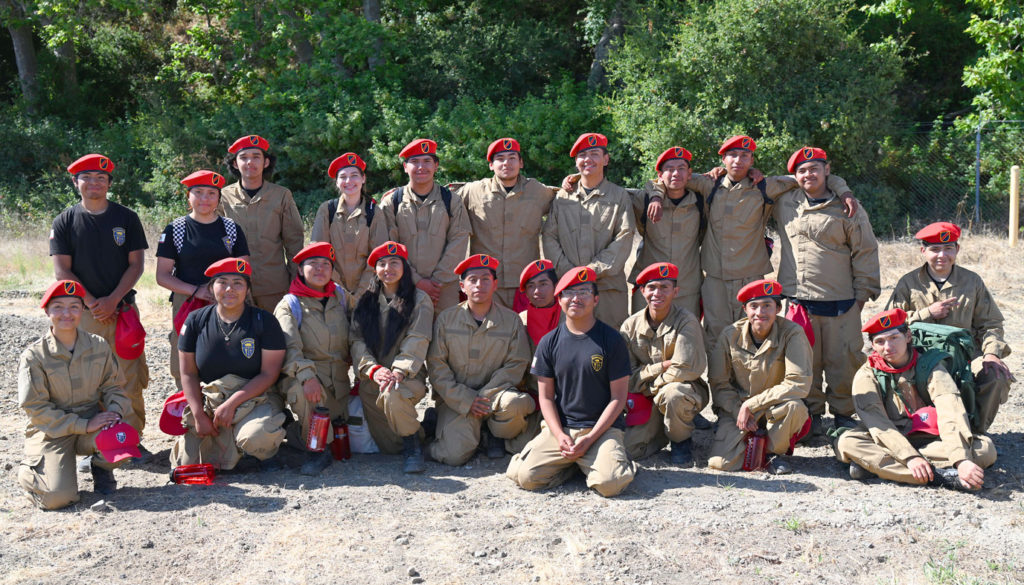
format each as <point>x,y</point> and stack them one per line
<point>541,359</point>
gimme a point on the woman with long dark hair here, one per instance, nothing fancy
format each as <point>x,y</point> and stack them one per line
<point>391,329</point>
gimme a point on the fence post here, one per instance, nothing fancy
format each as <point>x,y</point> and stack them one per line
<point>1014,204</point>
<point>977,172</point>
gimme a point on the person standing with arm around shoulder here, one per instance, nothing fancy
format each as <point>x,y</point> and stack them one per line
<point>101,245</point>
<point>189,244</point>
<point>267,214</point>
<point>582,369</point>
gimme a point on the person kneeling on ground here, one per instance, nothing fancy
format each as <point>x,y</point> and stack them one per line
<point>70,387</point>
<point>477,359</point>
<point>914,426</point>
<point>231,354</point>
<point>582,370</point>
<point>760,373</point>
<point>666,349</point>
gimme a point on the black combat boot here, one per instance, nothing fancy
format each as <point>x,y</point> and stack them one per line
<point>682,453</point>
<point>413,455</point>
<point>103,481</point>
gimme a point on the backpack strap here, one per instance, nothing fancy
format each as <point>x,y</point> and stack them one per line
<point>446,198</point>
<point>369,210</point>
<point>295,307</point>
<point>231,229</point>
<point>762,186</point>
<point>396,199</point>
<point>332,208</point>
<point>714,189</point>
<point>178,232</point>
<point>643,216</point>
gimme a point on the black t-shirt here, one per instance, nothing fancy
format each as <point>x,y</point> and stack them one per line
<point>242,354</point>
<point>202,245</point>
<point>583,367</point>
<point>98,244</point>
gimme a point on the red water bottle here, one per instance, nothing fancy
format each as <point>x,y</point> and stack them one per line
<point>754,456</point>
<point>194,474</point>
<point>319,422</point>
<point>340,447</point>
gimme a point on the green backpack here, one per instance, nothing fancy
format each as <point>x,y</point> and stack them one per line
<point>952,347</point>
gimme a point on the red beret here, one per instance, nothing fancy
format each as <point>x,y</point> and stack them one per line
<point>315,250</point>
<point>575,276</point>
<point>349,159</point>
<point>477,261</point>
<point>941,232</point>
<point>63,288</point>
<point>759,289</point>
<point>502,145</point>
<point>204,179</point>
<point>588,141</point>
<point>419,147</point>
<point>386,249</point>
<point>251,141</point>
<point>885,321</point>
<point>91,162</point>
<point>672,154</point>
<point>657,271</point>
<point>533,269</point>
<point>741,142</point>
<point>805,154</point>
<point>229,266</point>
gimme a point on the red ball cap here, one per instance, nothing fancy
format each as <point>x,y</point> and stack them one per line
<point>638,409</point>
<point>502,145</point>
<point>170,418</point>
<point>315,250</point>
<point>741,142</point>
<point>251,141</point>
<point>805,154</point>
<point>129,334</point>
<point>941,232</point>
<point>120,441</point>
<point>386,249</point>
<point>62,288</point>
<point>657,271</point>
<point>229,266</point>
<point>672,154</point>
<point>575,276</point>
<point>588,141</point>
<point>91,162</point>
<point>349,159</point>
<point>419,147</point>
<point>533,269</point>
<point>885,321</point>
<point>477,261</point>
<point>759,289</point>
<point>204,179</point>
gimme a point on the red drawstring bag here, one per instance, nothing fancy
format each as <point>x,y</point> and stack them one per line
<point>191,304</point>
<point>797,313</point>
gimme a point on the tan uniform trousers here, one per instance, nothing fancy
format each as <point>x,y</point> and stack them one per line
<point>612,307</point>
<point>836,357</point>
<point>506,296</point>
<point>48,471</point>
<point>858,446</point>
<point>257,430</point>
<point>606,464</point>
<point>177,299</point>
<point>689,302</point>
<point>675,405</point>
<point>784,421</point>
<point>295,398</point>
<point>136,371</point>
<point>721,308</point>
<point>268,302</point>
<point>449,298</point>
<point>391,415</point>
<point>459,435</point>
<point>991,393</point>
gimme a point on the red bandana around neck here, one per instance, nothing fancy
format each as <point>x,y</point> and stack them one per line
<point>300,289</point>
<point>877,362</point>
<point>540,321</point>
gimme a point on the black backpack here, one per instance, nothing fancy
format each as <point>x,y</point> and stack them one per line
<point>700,212</point>
<point>446,198</point>
<point>769,243</point>
<point>369,209</point>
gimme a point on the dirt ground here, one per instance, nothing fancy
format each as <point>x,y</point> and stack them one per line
<point>363,521</point>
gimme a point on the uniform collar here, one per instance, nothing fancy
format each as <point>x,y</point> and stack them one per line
<point>497,187</point>
<point>434,195</point>
<point>488,321</point>
<point>926,279</point>
<point>56,348</point>
<point>746,340</point>
<point>728,183</point>
<point>597,191</point>
<point>647,331</point>
<point>828,199</point>
<point>343,214</point>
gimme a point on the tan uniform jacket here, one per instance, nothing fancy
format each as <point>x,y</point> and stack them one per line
<point>467,360</point>
<point>436,242</point>
<point>593,230</point>
<point>826,256</point>
<point>352,240</point>
<point>320,347</point>
<point>733,246</point>
<point>672,239</point>
<point>976,311</point>
<point>410,353</point>
<point>888,421</point>
<point>273,228</point>
<point>679,339</point>
<point>60,391</point>
<point>740,373</point>
<point>507,226</point>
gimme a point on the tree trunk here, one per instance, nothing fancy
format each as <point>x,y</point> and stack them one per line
<point>67,57</point>
<point>25,57</point>
<point>371,12</point>
<point>303,48</point>
<point>597,80</point>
